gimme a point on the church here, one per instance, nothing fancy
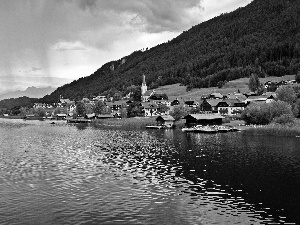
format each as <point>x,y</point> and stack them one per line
<point>145,94</point>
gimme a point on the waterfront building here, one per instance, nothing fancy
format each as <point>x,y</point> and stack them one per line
<point>166,120</point>
<point>203,119</point>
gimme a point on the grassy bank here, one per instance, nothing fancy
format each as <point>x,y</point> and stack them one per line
<point>288,130</point>
<point>12,117</point>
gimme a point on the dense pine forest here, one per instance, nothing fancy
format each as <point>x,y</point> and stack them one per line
<point>263,37</point>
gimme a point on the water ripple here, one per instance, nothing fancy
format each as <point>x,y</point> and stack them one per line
<point>62,175</point>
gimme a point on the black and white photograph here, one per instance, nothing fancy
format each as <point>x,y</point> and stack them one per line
<point>153,112</point>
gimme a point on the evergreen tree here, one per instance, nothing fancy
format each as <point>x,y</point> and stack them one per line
<point>254,83</point>
<point>99,107</point>
<point>297,78</point>
<point>80,109</point>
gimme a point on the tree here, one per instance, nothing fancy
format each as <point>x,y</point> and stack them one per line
<point>297,78</point>
<point>89,108</point>
<point>261,89</point>
<point>80,109</point>
<point>40,112</point>
<point>117,96</point>
<point>223,111</point>
<point>179,112</point>
<point>220,84</point>
<point>286,94</point>
<point>123,111</point>
<point>99,107</point>
<point>254,83</point>
<point>134,109</point>
<point>136,94</point>
<point>23,111</point>
<point>163,108</point>
<point>296,108</point>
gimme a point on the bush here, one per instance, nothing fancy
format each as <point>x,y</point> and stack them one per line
<point>297,78</point>
<point>264,114</point>
<point>179,112</point>
<point>284,119</point>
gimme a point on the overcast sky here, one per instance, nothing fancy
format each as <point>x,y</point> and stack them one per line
<point>50,42</point>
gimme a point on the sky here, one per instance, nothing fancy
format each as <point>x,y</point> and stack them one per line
<point>52,42</point>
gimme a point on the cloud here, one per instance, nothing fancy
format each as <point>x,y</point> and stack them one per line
<point>152,15</point>
<point>85,4</point>
<point>73,38</point>
<point>68,46</point>
<point>35,68</point>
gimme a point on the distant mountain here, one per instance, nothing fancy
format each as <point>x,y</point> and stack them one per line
<point>263,37</point>
<point>17,103</point>
<point>31,92</point>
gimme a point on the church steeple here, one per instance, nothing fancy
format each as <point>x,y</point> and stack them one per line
<point>144,85</point>
<point>144,80</point>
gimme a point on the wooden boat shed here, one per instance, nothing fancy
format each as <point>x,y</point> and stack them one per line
<point>203,119</point>
<point>166,120</point>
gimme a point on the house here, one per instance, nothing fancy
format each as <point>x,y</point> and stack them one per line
<point>85,100</point>
<point>210,105</point>
<point>147,95</point>
<point>100,98</point>
<point>203,119</point>
<point>150,109</point>
<point>90,116</point>
<point>270,96</point>
<point>158,96</point>
<point>175,102</point>
<point>161,102</point>
<point>71,107</point>
<point>251,93</point>
<point>29,116</point>
<point>215,96</point>
<point>65,102</point>
<point>191,103</point>
<point>230,107</point>
<point>39,105</point>
<point>260,98</point>
<point>104,116</point>
<point>61,116</point>
<point>167,121</point>
<point>116,105</point>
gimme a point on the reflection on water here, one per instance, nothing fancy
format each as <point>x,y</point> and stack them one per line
<point>70,175</point>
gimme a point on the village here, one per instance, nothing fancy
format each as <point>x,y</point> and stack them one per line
<point>208,109</point>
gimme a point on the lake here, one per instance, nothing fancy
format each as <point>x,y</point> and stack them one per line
<point>67,174</point>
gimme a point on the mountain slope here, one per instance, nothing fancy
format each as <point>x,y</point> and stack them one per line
<point>262,37</point>
<point>31,92</point>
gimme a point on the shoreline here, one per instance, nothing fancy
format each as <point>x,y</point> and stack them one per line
<point>290,130</point>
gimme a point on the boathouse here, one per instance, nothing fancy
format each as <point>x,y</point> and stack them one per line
<point>203,119</point>
<point>105,116</point>
<point>61,116</point>
<point>166,120</point>
<point>91,116</point>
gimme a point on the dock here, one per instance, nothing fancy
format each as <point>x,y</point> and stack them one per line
<point>78,121</point>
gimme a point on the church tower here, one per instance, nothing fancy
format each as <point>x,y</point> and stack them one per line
<point>144,85</point>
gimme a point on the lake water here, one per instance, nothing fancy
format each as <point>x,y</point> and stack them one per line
<point>66,174</point>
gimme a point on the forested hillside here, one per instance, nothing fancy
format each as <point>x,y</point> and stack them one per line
<point>263,37</point>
